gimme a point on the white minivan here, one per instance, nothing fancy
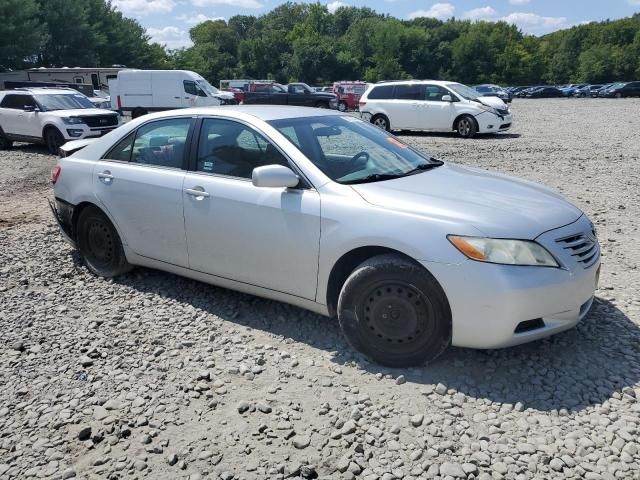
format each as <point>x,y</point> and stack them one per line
<point>144,91</point>
<point>434,105</point>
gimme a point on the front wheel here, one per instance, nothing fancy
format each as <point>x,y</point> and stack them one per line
<point>138,112</point>
<point>395,312</point>
<point>342,106</point>
<point>53,139</point>
<point>467,127</point>
<point>99,244</point>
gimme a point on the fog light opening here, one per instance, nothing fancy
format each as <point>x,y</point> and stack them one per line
<point>529,325</point>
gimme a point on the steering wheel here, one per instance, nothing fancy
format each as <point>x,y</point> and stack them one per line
<point>355,160</point>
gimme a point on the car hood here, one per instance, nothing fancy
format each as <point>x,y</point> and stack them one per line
<point>81,112</point>
<point>497,205</point>
<point>492,101</point>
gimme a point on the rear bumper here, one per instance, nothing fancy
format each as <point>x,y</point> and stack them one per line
<point>63,214</point>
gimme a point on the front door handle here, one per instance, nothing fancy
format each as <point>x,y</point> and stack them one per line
<point>106,177</point>
<point>197,192</point>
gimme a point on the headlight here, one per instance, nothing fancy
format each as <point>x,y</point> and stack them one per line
<point>72,120</point>
<point>504,251</point>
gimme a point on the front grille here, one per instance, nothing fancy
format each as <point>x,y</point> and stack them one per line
<point>100,121</point>
<point>582,246</point>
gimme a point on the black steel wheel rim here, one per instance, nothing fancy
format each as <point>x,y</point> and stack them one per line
<point>100,243</point>
<point>396,316</point>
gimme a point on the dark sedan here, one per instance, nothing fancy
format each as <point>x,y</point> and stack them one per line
<point>620,90</point>
<point>544,92</point>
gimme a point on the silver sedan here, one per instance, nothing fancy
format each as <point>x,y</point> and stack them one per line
<point>324,211</point>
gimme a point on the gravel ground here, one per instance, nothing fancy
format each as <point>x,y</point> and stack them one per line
<point>155,376</point>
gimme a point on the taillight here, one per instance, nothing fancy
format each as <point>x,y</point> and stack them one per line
<point>55,173</point>
<point>119,103</point>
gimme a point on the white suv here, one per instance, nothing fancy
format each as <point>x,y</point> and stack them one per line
<point>51,116</point>
<point>433,105</point>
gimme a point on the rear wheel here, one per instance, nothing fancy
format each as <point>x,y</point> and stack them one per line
<point>395,312</point>
<point>53,139</point>
<point>322,105</point>
<point>99,244</point>
<point>467,127</point>
<point>138,112</point>
<point>381,121</point>
<point>5,143</point>
<point>342,106</point>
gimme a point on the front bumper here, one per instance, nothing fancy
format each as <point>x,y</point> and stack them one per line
<point>79,131</point>
<point>490,303</point>
<point>491,123</point>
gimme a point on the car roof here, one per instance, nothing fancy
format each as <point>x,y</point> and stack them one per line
<point>262,112</point>
<point>432,82</point>
<point>41,90</point>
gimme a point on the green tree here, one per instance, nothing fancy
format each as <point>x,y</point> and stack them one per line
<point>21,32</point>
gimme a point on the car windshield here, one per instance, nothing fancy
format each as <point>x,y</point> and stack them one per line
<point>62,101</point>
<point>349,150</point>
<point>207,87</point>
<point>464,91</point>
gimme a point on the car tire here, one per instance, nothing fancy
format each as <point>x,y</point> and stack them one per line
<point>467,126</point>
<point>343,107</point>
<point>618,95</point>
<point>322,105</point>
<point>138,112</point>
<point>99,244</point>
<point>395,312</point>
<point>5,143</point>
<point>53,139</point>
<point>382,122</point>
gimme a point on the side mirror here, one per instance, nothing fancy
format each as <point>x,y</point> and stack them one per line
<point>447,98</point>
<point>30,108</point>
<point>274,176</point>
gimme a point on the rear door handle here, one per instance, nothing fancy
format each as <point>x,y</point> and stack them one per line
<point>197,192</point>
<point>105,176</point>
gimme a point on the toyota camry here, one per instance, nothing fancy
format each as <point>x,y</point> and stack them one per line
<point>330,213</point>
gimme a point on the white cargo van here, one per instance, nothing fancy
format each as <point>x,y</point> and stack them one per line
<point>144,91</point>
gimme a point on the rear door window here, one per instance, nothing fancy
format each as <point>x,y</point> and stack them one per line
<point>409,92</point>
<point>383,92</point>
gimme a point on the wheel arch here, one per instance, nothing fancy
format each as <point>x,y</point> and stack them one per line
<point>79,207</point>
<point>48,126</point>
<point>454,126</point>
<point>347,263</point>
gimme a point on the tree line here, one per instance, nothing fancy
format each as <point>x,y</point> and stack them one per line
<point>306,42</point>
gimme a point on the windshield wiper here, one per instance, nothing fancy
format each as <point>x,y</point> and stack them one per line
<point>424,167</point>
<point>377,177</point>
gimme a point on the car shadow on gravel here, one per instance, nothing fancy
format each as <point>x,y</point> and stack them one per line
<point>484,136</point>
<point>30,148</point>
<point>584,366</point>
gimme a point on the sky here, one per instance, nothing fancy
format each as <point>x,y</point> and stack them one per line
<point>168,21</point>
